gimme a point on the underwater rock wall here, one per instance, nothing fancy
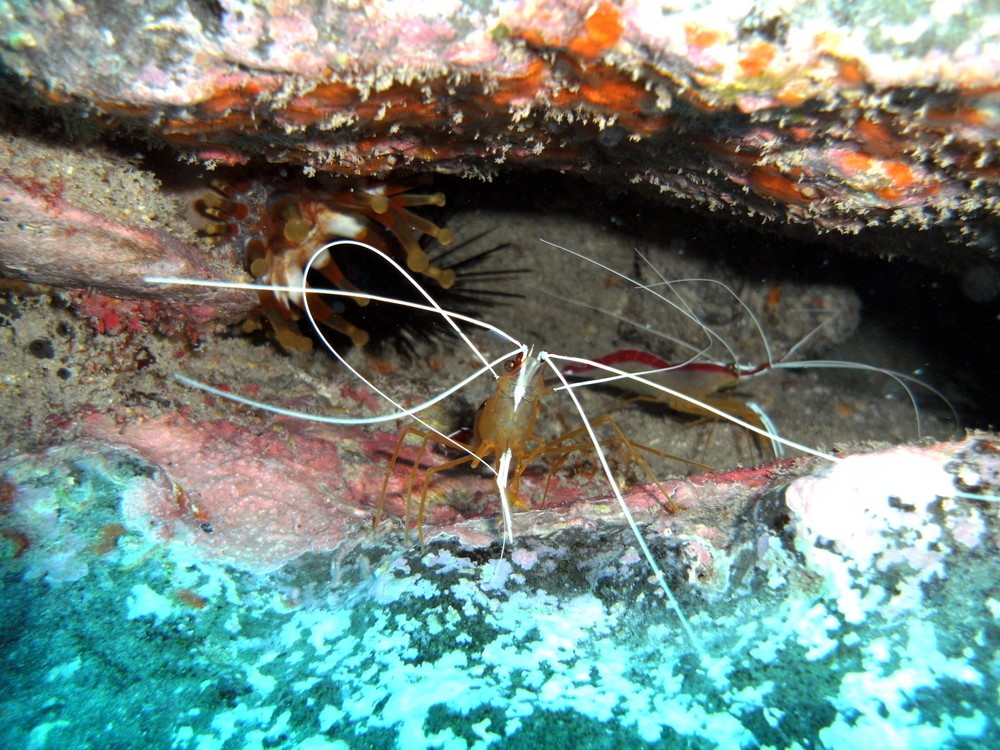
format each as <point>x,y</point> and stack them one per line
<point>837,116</point>
<point>78,217</point>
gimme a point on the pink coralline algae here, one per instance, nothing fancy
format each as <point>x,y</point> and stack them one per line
<point>258,497</point>
<point>255,501</point>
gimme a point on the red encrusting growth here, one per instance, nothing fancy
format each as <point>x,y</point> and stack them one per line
<point>190,598</point>
<point>108,538</point>
<point>770,181</point>
<point>602,30</point>
<point>538,84</point>
<point>757,59</point>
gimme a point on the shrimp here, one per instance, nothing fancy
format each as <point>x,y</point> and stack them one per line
<point>713,382</point>
<point>505,425</point>
<point>706,382</point>
<point>504,428</point>
<point>504,432</point>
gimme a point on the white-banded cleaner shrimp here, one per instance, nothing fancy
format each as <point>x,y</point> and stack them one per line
<point>708,365</point>
<point>504,467</point>
<point>510,459</point>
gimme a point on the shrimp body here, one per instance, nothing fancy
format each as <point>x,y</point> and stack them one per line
<point>505,422</point>
<point>699,379</point>
<point>705,383</point>
<point>503,429</point>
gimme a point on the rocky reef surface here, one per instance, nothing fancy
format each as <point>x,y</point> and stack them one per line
<point>856,604</point>
<point>844,117</point>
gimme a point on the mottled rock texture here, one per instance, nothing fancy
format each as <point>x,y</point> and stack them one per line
<point>842,116</point>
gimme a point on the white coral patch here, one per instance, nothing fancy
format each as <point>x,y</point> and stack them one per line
<point>144,602</point>
<point>868,514</point>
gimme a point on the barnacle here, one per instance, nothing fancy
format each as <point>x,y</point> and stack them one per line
<point>283,223</point>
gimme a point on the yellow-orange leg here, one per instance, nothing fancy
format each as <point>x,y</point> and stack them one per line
<point>427,438</point>
<point>634,448</point>
<point>731,407</point>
